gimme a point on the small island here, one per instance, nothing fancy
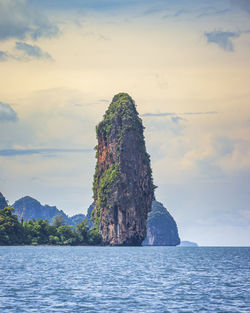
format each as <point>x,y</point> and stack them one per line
<point>186,243</point>
<point>123,184</point>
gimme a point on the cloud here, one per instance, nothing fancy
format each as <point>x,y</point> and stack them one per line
<point>104,100</point>
<point>199,113</point>
<point>222,39</point>
<point>241,4</point>
<point>165,126</point>
<point>32,51</point>
<point>19,19</point>
<point>16,152</point>
<point>180,12</point>
<point>176,114</point>
<point>3,56</point>
<point>223,146</point>
<point>176,119</point>
<point>97,5</point>
<point>213,12</point>
<point>157,114</point>
<point>7,114</point>
<point>173,117</point>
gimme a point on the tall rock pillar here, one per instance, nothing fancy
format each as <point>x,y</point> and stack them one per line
<point>123,186</point>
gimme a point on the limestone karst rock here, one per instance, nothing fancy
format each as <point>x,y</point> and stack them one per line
<point>123,186</point>
<point>161,227</point>
<point>89,215</point>
<point>3,202</point>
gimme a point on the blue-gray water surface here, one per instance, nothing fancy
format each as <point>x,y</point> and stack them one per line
<point>124,279</point>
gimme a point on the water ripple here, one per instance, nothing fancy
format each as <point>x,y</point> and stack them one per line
<point>124,279</point>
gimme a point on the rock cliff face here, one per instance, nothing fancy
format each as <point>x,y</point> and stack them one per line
<point>123,187</point>
<point>161,227</point>
<point>3,202</point>
<point>89,216</point>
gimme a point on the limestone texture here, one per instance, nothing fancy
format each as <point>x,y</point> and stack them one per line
<point>3,202</point>
<point>161,227</point>
<point>123,187</point>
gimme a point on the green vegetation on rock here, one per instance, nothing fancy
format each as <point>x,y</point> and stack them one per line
<point>108,179</point>
<point>119,120</point>
<point>123,107</point>
<point>123,177</point>
<point>106,182</point>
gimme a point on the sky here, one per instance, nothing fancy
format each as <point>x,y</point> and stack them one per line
<point>187,66</point>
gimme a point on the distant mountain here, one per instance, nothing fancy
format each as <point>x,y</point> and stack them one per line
<point>77,219</point>
<point>89,216</point>
<point>3,202</point>
<point>29,208</point>
<point>161,227</point>
<point>188,244</point>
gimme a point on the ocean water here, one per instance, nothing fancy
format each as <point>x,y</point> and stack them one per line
<point>124,279</point>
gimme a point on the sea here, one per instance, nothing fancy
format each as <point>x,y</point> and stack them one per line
<point>124,279</point>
